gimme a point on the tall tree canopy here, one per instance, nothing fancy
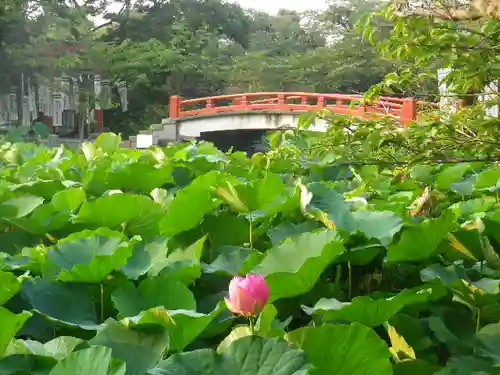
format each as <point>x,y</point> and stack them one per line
<point>187,47</point>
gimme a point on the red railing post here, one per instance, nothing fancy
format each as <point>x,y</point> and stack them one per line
<point>175,106</point>
<point>243,101</point>
<point>409,111</point>
<point>321,102</point>
<point>281,99</point>
<point>362,110</point>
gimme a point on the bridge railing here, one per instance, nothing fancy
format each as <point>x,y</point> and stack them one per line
<point>403,110</point>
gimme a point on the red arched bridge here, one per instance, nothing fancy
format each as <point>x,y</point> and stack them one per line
<point>261,111</point>
<point>403,110</point>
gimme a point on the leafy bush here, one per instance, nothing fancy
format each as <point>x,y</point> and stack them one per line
<point>117,261</point>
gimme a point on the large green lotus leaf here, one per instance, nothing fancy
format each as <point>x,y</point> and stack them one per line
<point>343,349</point>
<point>233,260</point>
<point>361,255</point>
<point>68,304</point>
<point>153,291</point>
<point>182,264</point>
<point>69,199</point>
<point>26,365</point>
<point>421,241</point>
<point>479,293</point>
<point>88,256</point>
<point>40,188</point>
<point>183,326</point>
<point>226,229</point>
<point>10,324</point>
<point>260,193</point>
<point>57,348</point>
<point>293,267</point>
<point>140,349</point>
<point>15,240</point>
<point>382,225</point>
<point>489,339</point>
<point>328,206</point>
<point>467,244</point>
<point>10,285</point>
<point>190,205</point>
<point>473,206</point>
<point>145,256</point>
<point>261,198</point>
<point>413,330</point>
<point>95,360</point>
<point>16,208</point>
<point>108,142</point>
<point>489,179</point>
<point>124,177</point>
<point>468,365</point>
<point>492,223</point>
<point>247,356</point>
<point>135,214</point>
<point>287,229</point>
<point>44,219</point>
<point>452,174</point>
<point>374,312</point>
<point>415,367</point>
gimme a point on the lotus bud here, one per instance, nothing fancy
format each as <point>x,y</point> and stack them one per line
<point>247,295</point>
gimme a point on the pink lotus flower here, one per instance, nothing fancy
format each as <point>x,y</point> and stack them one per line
<point>247,295</point>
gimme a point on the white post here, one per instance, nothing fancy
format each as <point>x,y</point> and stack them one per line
<point>491,91</point>
<point>447,102</point>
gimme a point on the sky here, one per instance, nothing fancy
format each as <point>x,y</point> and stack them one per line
<point>272,6</point>
<point>268,6</point>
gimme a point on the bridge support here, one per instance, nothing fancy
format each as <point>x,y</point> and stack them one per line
<point>241,140</point>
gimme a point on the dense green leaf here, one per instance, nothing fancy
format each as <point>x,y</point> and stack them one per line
<point>343,349</point>
<point>88,256</point>
<point>135,214</point>
<point>67,304</point>
<point>182,264</point>
<point>250,355</point>
<point>57,348</point>
<point>95,360</point>
<point>152,292</point>
<point>373,312</point>
<point>328,206</point>
<point>145,256</point>
<point>108,142</point>
<point>232,260</point>
<point>382,225</point>
<point>190,205</point>
<point>293,267</point>
<point>19,207</point>
<point>183,326</point>
<point>11,324</point>
<point>9,286</point>
<point>421,241</point>
<point>139,349</point>
<point>69,199</point>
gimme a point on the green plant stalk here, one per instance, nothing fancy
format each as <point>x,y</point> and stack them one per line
<point>102,302</point>
<point>349,279</point>
<point>478,319</point>
<point>250,234</point>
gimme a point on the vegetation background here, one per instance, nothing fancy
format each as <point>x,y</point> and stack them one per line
<point>190,48</point>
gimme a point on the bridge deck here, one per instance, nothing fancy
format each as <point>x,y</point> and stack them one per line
<point>403,110</point>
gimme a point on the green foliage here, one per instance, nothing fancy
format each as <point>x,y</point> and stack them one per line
<point>366,276</point>
<point>190,48</point>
